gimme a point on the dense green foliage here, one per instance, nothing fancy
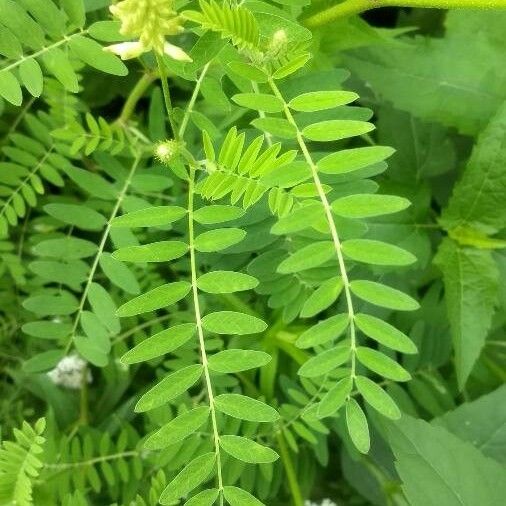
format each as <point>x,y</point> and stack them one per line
<point>260,261</point>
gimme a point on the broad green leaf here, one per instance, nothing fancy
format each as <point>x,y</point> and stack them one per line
<point>247,450</point>
<point>321,100</point>
<point>259,102</point>
<point>248,71</point>
<point>119,274</point>
<point>236,360</point>
<point>384,333</point>
<point>104,307</point>
<point>178,429</point>
<point>77,215</point>
<point>47,329</point>
<point>31,76</point>
<point>323,297</point>
<point>368,205</point>
<point>160,344</point>
<point>299,219</point>
<point>325,362</point>
<point>63,303</point>
<point>210,215</point>
<point>192,475</point>
<point>471,282</point>
<point>57,62</point>
<point>42,362</point>
<point>205,498</point>
<point>308,257</point>
<point>335,398</point>
<point>438,468</point>
<point>245,408</point>
<point>10,89</point>
<point>91,350</point>
<point>233,323</point>
<point>323,331</point>
<point>381,364</point>
<point>337,129</point>
<point>169,388</point>
<point>375,396</point>
<point>150,217</point>
<point>238,497</point>
<point>376,252</point>
<point>382,295</point>
<point>226,282</point>
<point>276,126</point>
<point>91,182</point>
<point>159,297</point>
<point>218,239</point>
<point>162,251</point>
<point>92,53</point>
<point>70,248</point>
<point>350,160</point>
<point>358,429</point>
<point>292,66</point>
<point>93,328</point>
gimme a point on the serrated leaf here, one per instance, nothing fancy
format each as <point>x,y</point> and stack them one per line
<point>226,282</point>
<point>356,422</point>
<point>162,251</point>
<point>334,130</point>
<point>218,239</point>
<point>325,362</point>
<point>159,297</point>
<point>245,408</point>
<point>169,388</point>
<point>381,364</point>
<point>335,398</point>
<point>323,331</point>
<point>321,100</point>
<point>375,396</point>
<point>160,344</point>
<point>383,295</point>
<point>247,450</point>
<point>376,252</point>
<point>233,323</point>
<point>308,257</point>
<point>238,497</point>
<point>150,217</point>
<point>236,360</point>
<point>368,205</point>
<point>178,429</point>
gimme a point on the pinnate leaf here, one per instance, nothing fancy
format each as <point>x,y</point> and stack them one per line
<point>247,450</point>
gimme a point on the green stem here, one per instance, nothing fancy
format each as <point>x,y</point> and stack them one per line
<point>351,7</point>
<point>166,95</point>
<point>135,95</point>
<point>290,471</point>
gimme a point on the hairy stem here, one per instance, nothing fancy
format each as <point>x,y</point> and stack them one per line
<point>200,331</point>
<point>351,7</point>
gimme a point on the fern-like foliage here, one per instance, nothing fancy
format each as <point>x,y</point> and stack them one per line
<point>20,464</point>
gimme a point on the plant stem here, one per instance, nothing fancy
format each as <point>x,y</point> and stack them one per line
<point>290,471</point>
<point>166,95</point>
<point>135,95</point>
<point>200,331</point>
<point>351,7</point>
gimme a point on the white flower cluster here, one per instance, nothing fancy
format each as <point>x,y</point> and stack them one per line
<point>325,502</point>
<point>68,372</point>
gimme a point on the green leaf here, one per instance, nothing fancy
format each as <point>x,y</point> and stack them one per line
<point>376,252</point>
<point>195,473</point>
<point>162,251</point>
<point>437,468</point>
<point>70,248</point>
<point>323,331</point>
<point>325,362</point>
<point>169,388</point>
<point>92,350</point>
<point>42,362</point>
<point>236,360</point>
<point>178,429</point>
<point>356,422</point>
<point>299,219</point>
<point>10,88</point>
<point>204,498</point>
<point>248,71</point>
<point>57,62</point>
<point>382,295</point>
<point>323,297</point>
<point>104,307</point>
<point>321,100</point>
<point>150,217</point>
<point>471,282</point>
<point>226,282</point>
<point>247,450</point>
<point>90,182</point>
<point>245,408</point>
<point>276,126</point>
<point>44,305</point>
<point>160,344</point>
<point>47,329</point>
<point>159,297</point>
<point>375,396</point>
<point>350,160</point>
<point>292,66</point>
<point>384,333</point>
<point>381,364</point>
<point>239,497</point>
<point>233,323</point>
<point>335,398</point>
<point>77,215</point>
<point>368,205</point>
<point>31,76</point>
<point>119,274</point>
<point>337,129</point>
<point>210,215</point>
<point>259,102</point>
<point>308,257</point>
<point>92,53</point>
<point>218,239</point>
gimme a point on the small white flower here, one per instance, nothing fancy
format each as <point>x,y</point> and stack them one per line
<point>176,52</point>
<point>68,373</point>
<point>126,50</point>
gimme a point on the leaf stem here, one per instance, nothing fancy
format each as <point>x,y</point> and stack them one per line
<point>351,7</point>
<point>290,471</point>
